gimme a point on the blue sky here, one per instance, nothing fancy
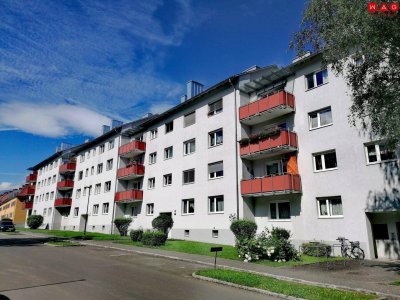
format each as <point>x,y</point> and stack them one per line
<point>67,67</point>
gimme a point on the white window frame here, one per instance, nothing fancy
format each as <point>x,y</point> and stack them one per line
<point>109,164</point>
<point>329,207</point>
<point>153,134</point>
<point>322,154</point>
<point>183,176</point>
<point>318,112</point>
<point>110,144</point>
<point>214,133</point>
<point>95,210</point>
<point>97,188</point>
<point>188,201</point>
<point>149,209</point>
<point>167,125</point>
<point>168,152</point>
<point>151,183</point>
<point>165,179</point>
<point>314,75</point>
<point>215,176</point>
<point>78,193</point>
<point>99,168</point>
<point>107,183</point>
<point>215,112</point>
<point>379,160</point>
<point>186,147</point>
<point>105,208</point>
<point>152,158</point>
<point>101,148</point>
<point>185,119</point>
<point>278,219</point>
<point>212,203</point>
<point>76,212</point>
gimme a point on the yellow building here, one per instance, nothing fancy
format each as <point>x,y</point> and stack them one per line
<point>12,208</point>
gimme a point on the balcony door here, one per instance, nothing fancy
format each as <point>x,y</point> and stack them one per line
<point>277,167</point>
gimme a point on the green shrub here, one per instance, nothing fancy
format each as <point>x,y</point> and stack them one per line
<point>154,238</point>
<point>243,229</point>
<point>163,223</point>
<point>316,249</point>
<point>34,221</point>
<point>280,233</point>
<point>122,225</point>
<point>136,235</point>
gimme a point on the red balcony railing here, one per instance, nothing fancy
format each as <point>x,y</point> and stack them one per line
<point>65,185</point>
<point>280,99</point>
<point>282,141</point>
<point>132,148</point>
<point>67,167</point>
<point>285,184</point>
<point>129,196</point>
<point>27,191</point>
<point>62,202</point>
<point>27,205</point>
<point>132,171</point>
<point>31,178</point>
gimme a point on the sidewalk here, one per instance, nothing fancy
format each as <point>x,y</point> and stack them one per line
<point>370,275</point>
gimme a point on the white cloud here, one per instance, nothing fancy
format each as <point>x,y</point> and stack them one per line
<point>51,120</point>
<point>7,186</point>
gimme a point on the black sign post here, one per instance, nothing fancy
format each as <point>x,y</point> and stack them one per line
<point>216,250</point>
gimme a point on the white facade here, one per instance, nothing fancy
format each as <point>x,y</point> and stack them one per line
<point>334,188</point>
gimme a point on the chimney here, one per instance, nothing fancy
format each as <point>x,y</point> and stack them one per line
<point>183,98</point>
<point>105,129</point>
<point>193,88</point>
<point>115,123</point>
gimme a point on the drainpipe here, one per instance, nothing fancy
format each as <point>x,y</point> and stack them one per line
<point>236,149</point>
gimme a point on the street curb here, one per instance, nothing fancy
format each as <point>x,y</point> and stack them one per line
<point>297,280</point>
<point>243,287</point>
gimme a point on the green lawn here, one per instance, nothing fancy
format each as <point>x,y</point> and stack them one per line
<point>77,234</point>
<point>395,283</point>
<point>283,287</point>
<point>229,252</point>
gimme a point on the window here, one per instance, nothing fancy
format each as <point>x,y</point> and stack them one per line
<point>51,195</point>
<point>109,164</point>
<point>99,168</point>
<point>168,152</point>
<point>153,134</point>
<point>91,170</point>
<point>152,158</point>
<point>216,170</point>
<point>97,188</point>
<point>101,149</point>
<point>167,179</point>
<point>95,209</point>
<point>87,172</point>
<point>214,234</point>
<point>134,211</point>
<point>93,152</point>
<point>215,138</point>
<point>106,207</point>
<point>84,191</point>
<point>186,233</point>
<point>80,175</point>
<point>280,210</point>
<point>151,183</point>
<point>378,152</point>
<point>187,206</point>
<point>78,193</point>
<point>189,119</point>
<point>215,108</point>
<point>110,144</point>
<point>107,186</point>
<point>44,211</point>
<point>82,158</point>
<point>49,181</point>
<point>54,179</point>
<point>88,154</point>
<point>189,147</point>
<point>188,176</point>
<point>150,209</point>
<point>316,79</point>
<point>49,211</point>
<point>169,126</point>
<point>320,118</point>
<point>216,204</point>
<point>330,207</point>
<point>325,161</point>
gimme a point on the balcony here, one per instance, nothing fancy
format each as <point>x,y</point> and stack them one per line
<point>271,185</point>
<point>131,172</point>
<point>27,205</point>
<point>282,142</point>
<point>267,108</point>
<point>129,196</point>
<point>132,149</point>
<point>27,191</point>
<point>65,185</point>
<point>62,202</point>
<point>31,178</point>
<point>67,168</point>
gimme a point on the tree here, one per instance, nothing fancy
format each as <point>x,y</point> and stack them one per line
<point>163,223</point>
<point>34,221</point>
<point>122,225</point>
<point>365,49</point>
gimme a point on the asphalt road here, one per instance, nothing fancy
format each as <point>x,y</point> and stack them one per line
<point>36,271</point>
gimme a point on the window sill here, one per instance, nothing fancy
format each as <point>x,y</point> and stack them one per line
<point>330,217</point>
<point>215,178</point>
<point>166,185</point>
<point>326,170</point>
<point>216,213</point>
<point>315,87</point>
<point>327,125</point>
<point>279,220</point>
<point>168,158</point>
<point>187,154</point>
<point>214,114</point>
<point>149,215</point>
<point>382,162</point>
<point>191,214</point>
<point>215,146</point>
<point>189,183</point>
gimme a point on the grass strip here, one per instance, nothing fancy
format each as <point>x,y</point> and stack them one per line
<point>77,234</point>
<point>395,283</point>
<point>287,288</point>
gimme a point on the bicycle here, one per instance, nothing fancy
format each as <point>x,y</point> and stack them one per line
<point>351,251</point>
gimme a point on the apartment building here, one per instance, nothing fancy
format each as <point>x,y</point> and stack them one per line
<point>12,208</point>
<point>270,144</point>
